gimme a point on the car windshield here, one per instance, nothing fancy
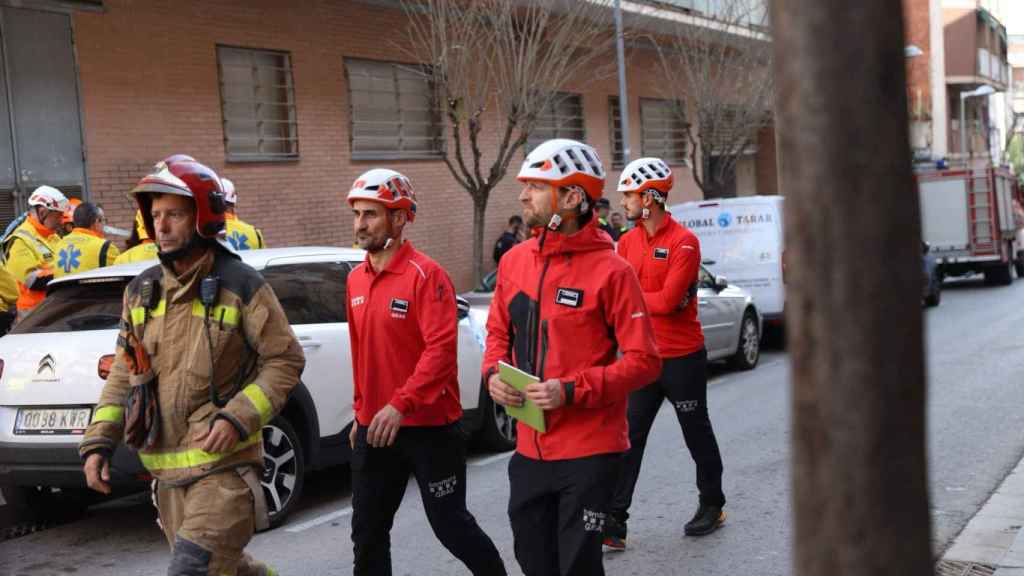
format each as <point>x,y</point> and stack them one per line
<point>74,307</point>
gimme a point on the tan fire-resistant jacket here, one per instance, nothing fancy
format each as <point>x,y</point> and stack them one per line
<point>173,333</point>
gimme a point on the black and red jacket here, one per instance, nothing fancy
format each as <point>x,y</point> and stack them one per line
<point>564,307</point>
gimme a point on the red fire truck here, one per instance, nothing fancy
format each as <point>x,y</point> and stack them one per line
<point>970,218</point>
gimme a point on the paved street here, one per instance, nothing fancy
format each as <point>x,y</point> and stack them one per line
<point>976,365</point>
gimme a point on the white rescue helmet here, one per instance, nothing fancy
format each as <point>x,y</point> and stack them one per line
<point>562,163</point>
<point>48,197</point>
<point>230,196</point>
<point>386,187</point>
<point>647,175</point>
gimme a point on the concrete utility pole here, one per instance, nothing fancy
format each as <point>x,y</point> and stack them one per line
<point>854,297</point>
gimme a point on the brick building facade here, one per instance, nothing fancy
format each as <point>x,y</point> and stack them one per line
<point>150,84</point>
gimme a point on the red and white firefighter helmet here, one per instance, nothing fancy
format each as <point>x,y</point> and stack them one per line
<point>647,174</point>
<point>230,196</point>
<point>387,187</point>
<point>173,158</point>
<point>186,178</point>
<point>563,162</point>
<point>48,197</point>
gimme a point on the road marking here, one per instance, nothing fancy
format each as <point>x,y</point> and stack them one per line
<point>2,501</point>
<point>492,459</point>
<point>329,517</point>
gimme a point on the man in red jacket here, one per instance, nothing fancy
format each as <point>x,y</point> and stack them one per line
<point>666,257</point>
<point>403,329</point>
<point>564,307</point>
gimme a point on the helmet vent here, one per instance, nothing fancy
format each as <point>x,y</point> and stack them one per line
<point>560,162</point>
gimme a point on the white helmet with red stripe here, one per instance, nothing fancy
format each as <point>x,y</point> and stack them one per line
<point>230,196</point>
<point>562,162</point>
<point>48,197</point>
<point>647,175</point>
<point>386,187</point>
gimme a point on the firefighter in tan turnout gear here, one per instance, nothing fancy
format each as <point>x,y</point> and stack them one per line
<point>205,358</point>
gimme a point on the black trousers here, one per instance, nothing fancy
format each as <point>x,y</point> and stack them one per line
<point>436,457</point>
<point>557,510</point>
<point>684,382</point>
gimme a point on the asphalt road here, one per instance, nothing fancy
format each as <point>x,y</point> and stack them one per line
<point>976,366</point>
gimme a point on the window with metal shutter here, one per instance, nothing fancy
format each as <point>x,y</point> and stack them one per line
<point>258,105</point>
<point>392,111</point>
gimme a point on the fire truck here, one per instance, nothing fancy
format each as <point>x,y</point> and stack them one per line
<point>970,219</point>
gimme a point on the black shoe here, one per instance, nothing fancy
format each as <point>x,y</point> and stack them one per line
<point>705,521</point>
<point>614,534</point>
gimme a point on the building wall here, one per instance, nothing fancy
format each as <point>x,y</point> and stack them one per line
<point>149,88</point>
<point>960,35</point>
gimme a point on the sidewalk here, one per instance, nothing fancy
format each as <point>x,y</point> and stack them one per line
<point>993,539</point>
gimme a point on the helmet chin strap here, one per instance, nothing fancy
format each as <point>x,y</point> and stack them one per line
<point>645,214</point>
<point>173,256</point>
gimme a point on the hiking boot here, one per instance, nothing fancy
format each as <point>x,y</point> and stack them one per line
<point>707,519</point>
<point>614,534</point>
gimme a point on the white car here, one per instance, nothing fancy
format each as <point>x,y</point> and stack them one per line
<point>52,367</point>
<point>731,321</point>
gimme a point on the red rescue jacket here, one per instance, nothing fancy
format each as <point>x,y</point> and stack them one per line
<point>667,265</point>
<point>564,307</point>
<point>404,335</point>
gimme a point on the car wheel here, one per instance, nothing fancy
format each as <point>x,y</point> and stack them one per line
<point>1000,275</point>
<point>498,432</point>
<point>934,297</point>
<point>283,465</point>
<point>748,351</point>
<point>1018,266</point>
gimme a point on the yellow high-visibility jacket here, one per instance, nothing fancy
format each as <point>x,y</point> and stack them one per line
<point>31,254</point>
<point>242,235</point>
<point>83,250</point>
<point>148,250</point>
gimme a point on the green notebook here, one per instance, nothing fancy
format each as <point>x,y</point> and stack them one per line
<point>529,413</point>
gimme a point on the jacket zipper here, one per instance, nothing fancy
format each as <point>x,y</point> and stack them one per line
<point>539,328</point>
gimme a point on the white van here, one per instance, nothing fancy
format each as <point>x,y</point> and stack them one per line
<point>741,239</point>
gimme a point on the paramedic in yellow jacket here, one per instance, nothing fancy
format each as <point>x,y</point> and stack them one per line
<point>85,247</point>
<point>30,250</point>
<point>207,452</point>
<point>8,300</point>
<point>146,249</point>
<point>241,235</point>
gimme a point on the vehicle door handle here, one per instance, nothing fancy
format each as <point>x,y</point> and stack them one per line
<point>307,342</point>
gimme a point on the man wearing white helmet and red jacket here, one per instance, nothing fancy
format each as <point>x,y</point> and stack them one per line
<point>403,329</point>
<point>565,307</point>
<point>666,257</point>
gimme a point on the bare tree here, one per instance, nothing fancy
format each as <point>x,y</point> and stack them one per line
<point>502,62</point>
<point>717,68</point>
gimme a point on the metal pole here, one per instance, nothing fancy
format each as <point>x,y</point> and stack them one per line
<point>963,126</point>
<point>853,302</point>
<point>623,101</point>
